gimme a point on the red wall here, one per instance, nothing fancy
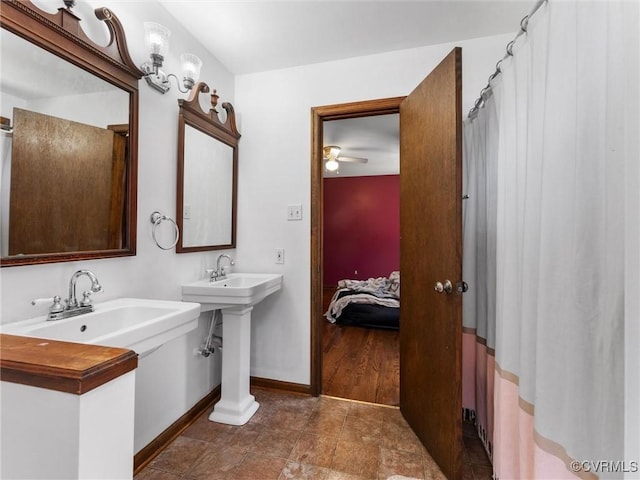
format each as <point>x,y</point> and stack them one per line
<point>361,227</point>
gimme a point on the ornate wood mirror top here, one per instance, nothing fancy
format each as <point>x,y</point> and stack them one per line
<point>69,156</point>
<point>207,175</point>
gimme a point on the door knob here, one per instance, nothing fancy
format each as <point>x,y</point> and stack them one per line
<point>446,287</point>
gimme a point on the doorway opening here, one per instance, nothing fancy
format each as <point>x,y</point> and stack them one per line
<point>319,325</point>
<point>361,265</point>
<point>431,246</point>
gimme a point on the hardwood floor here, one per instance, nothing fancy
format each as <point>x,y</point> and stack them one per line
<point>364,364</point>
<point>361,364</point>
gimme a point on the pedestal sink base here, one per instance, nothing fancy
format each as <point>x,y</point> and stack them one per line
<point>233,413</point>
<point>236,405</point>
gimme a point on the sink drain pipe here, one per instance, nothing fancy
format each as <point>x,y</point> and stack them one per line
<point>212,340</point>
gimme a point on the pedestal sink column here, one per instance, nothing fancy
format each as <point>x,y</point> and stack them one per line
<point>236,405</point>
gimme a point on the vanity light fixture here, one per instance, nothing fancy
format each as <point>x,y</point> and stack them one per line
<point>156,39</point>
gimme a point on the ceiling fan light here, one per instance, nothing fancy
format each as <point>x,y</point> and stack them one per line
<point>331,165</point>
<point>331,152</point>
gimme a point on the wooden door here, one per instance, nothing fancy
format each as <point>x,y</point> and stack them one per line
<point>430,252</point>
<point>61,185</point>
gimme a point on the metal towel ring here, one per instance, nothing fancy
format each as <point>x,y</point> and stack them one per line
<point>156,219</point>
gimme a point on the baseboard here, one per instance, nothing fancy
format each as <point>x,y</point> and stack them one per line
<point>280,385</point>
<point>148,453</point>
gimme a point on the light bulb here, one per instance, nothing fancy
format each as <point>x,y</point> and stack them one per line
<point>332,165</point>
<point>191,66</point>
<point>156,38</point>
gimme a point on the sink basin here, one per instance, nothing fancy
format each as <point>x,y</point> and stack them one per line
<point>140,325</point>
<point>238,289</point>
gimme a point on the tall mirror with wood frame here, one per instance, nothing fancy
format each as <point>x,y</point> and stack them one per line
<point>68,138</point>
<point>207,175</point>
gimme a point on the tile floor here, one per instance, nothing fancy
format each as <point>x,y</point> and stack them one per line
<point>476,464</point>
<point>299,437</point>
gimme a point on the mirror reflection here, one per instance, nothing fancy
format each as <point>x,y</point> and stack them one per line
<point>64,160</point>
<point>67,152</point>
<point>207,175</point>
<point>208,193</point>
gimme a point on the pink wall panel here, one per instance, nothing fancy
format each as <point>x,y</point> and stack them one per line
<point>361,227</point>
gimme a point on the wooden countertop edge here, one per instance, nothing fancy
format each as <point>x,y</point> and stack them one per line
<point>55,365</point>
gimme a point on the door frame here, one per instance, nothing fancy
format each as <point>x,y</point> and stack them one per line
<point>319,115</point>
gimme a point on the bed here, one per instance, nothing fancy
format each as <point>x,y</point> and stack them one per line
<point>367,303</point>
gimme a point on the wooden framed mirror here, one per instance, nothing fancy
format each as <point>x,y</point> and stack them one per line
<point>69,139</point>
<point>207,175</point>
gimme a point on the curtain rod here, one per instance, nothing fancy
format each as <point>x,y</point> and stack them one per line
<point>523,29</point>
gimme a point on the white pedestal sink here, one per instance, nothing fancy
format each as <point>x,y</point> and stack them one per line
<point>235,296</point>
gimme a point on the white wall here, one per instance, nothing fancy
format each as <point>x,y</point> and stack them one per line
<point>172,379</point>
<point>274,171</point>
<point>105,108</point>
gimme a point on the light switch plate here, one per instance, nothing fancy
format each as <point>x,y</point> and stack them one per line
<point>280,255</point>
<point>294,212</point>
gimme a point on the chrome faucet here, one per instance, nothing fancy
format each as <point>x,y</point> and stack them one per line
<point>72,301</point>
<point>219,271</point>
<point>57,311</point>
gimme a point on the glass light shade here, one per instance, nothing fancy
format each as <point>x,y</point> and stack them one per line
<point>331,165</point>
<point>156,38</point>
<point>191,66</point>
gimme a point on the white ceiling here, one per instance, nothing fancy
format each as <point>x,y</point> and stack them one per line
<point>375,138</point>
<point>259,35</point>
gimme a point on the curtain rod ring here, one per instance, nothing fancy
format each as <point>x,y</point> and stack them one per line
<point>524,23</point>
<point>510,48</point>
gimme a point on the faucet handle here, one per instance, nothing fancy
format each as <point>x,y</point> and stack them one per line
<point>56,306</point>
<point>212,273</point>
<point>86,299</point>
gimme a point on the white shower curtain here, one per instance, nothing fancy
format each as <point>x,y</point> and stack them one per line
<point>557,136</point>
<point>479,267</point>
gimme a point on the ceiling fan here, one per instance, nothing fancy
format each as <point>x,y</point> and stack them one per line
<point>331,156</point>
